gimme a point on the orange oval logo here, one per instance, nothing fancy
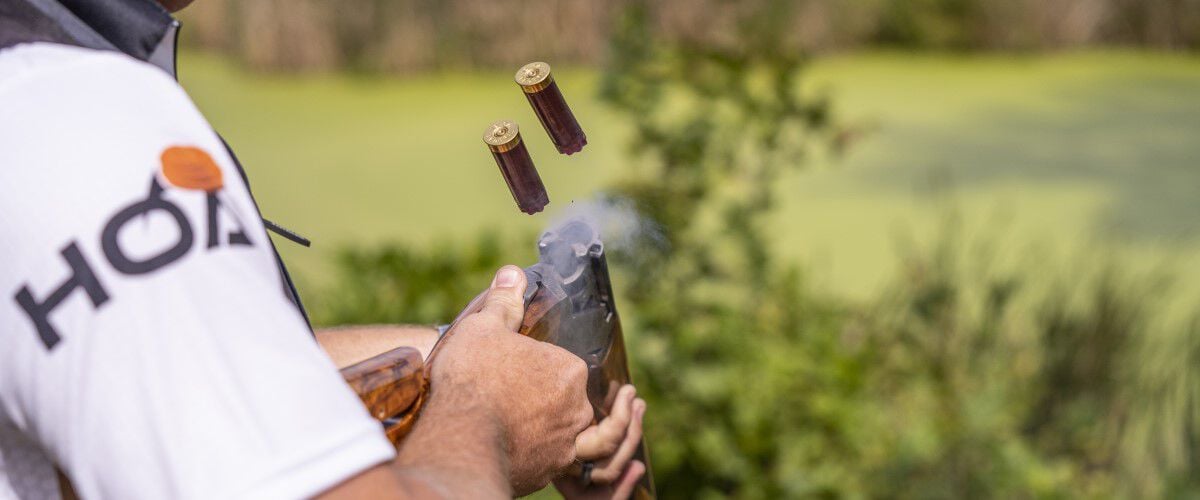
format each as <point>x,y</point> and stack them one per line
<point>191,168</point>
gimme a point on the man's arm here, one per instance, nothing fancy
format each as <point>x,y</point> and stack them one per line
<point>454,452</point>
<point>503,412</point>
<point>150,349</point>
<point>347,345</point>
<point>424,461</point>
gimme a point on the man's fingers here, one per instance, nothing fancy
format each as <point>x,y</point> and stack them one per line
<point>621,489</point>
<point>608,470</point>
<point>601,440</point>
<point>629,479</point>
<point>506,297</point>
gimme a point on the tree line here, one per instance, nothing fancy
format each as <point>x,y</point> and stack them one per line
<point>398,36</point>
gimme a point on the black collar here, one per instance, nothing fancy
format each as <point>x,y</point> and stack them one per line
<point>135,27</point>
<point>143,29</point>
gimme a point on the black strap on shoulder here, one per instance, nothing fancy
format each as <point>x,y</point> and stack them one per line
<point>21,22</point>
<point>134,27</point>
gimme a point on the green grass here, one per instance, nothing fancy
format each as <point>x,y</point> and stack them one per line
<point>1075,155</point>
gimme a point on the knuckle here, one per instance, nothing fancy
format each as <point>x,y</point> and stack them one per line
<point>604,476</point>
<point>613,435</point>
<point>620,420</point>
<point>609,445</point>
<point>584,415</point>
<point>569,367</point>
<point>577,370</point>
<point>566,458</point>
<point>506,301</point>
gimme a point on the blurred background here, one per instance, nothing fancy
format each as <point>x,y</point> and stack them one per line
<point>896,248</point>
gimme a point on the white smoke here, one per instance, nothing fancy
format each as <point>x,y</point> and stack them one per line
<point>618,223</point>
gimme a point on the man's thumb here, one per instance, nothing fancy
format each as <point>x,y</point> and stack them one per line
<point>506,297</point>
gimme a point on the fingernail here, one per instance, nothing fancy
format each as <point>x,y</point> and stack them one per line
<point>507,277</point>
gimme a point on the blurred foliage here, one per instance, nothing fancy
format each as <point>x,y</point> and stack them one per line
<point>984,382</point>
<point>748,391</point>
<point>945,388</point>
<point>401,285</point>
<point>965,379</point>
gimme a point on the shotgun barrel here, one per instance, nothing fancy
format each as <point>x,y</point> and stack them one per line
<point>570,304</point>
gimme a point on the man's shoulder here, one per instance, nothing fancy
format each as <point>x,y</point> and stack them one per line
<point>75,90</point>
<point>29,63</point>
<point>83,132</point>
<point>60,99</point>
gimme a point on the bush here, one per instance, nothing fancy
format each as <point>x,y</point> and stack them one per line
<point>396,284</point>
<point>965,380</point>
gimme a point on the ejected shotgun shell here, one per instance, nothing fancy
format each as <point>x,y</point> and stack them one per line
<point>504,140</point>
<point>547,101</point>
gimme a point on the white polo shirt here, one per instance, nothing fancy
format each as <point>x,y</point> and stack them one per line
<point>147,347</point>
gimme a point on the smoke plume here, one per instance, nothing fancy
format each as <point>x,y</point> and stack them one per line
<point>620,226</point>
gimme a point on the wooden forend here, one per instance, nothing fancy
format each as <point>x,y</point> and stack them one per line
<point>392,385</point>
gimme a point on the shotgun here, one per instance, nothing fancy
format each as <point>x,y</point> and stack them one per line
<point>568,302</point>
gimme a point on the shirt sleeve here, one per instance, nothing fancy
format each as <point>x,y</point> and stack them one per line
<point>146,338</point>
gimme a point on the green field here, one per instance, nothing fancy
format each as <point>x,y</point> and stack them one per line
<point>1091,154</point>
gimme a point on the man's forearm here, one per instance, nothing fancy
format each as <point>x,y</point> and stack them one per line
<point>348,345</point>
<point>454,451</point>
<point>457,450</point>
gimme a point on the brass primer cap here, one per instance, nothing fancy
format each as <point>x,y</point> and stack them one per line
<point>534,77</point>
<point>502,136</point>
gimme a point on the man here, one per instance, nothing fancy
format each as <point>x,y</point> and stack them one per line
<point>151,343</point>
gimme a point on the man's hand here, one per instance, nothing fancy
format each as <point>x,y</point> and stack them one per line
<point>610,445</point>
<point>534,390</point>
<point>502,416</point>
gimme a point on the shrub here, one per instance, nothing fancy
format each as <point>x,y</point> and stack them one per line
<point>964,380</point>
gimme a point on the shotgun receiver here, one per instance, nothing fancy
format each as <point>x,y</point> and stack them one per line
<point>568,302</point>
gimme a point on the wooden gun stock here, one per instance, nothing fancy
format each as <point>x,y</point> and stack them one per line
<point>393,386</point>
